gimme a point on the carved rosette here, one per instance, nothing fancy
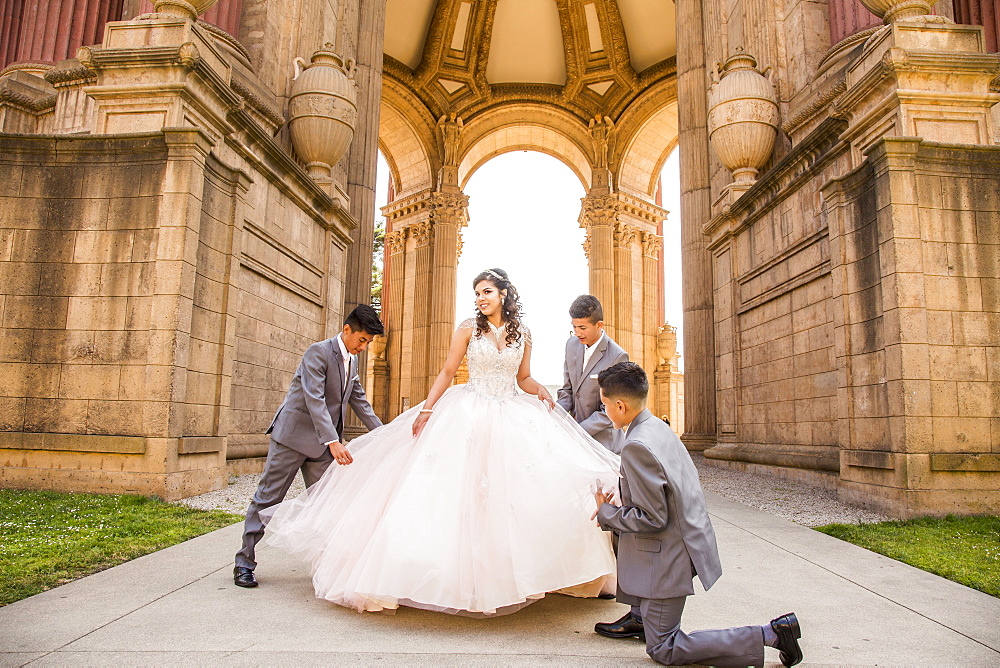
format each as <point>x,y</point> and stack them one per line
<point>600,210</point>
<point>396,241</point>
<point>742,117</point>
<point>323,110</point>
<point>651,245</point>
<point>421,233</point>
<point>898,10</point>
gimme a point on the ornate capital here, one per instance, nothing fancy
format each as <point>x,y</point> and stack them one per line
<point>599,210</point>
<point>651,245</point>
<point>449,209</point>
<point>396,241</point>
<point>421,233</point>
<point>586,245</point>
<point>625,235</point>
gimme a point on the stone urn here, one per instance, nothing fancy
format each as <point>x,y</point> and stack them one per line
<point>898,10</point>
<point>378,346</point>
<point>666,344</point>
<point>189,9</point>
<point>323,110</point>
<point>742,116</point>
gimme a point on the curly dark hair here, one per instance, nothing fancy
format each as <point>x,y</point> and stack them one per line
<point>510,307</point>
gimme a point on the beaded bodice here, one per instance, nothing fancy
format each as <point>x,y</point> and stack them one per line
<point>493,371</point>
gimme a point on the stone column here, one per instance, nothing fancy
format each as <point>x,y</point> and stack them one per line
<point>625,310</point>
<point>696,210</point>
<point>393,312</point>
<point>363,155</point>
<point>48,31</point>
<point>449,214</point>
<point>984,13</point>
<point>848,17</point>
<point>652,298</point>
<point>598,218</point>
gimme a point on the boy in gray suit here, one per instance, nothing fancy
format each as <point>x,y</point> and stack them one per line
<point>666,538</point>
<point>589,351</point>
<point>306,431</point>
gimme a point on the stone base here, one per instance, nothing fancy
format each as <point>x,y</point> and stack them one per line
<point>904,504</point>
<point>246,466</point>
<point>825,458</point>
<point>823,479</point>
<point>698,442</point>
<point>167,486</point>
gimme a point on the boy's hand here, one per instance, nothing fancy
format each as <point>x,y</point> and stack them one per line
<point>601,498</point>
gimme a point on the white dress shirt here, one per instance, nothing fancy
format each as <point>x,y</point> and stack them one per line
<point>346,357</point>
<point>589,352</point>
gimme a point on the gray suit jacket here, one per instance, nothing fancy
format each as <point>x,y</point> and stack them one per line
<point>315,407</point>
<point>665,535</point>
<point>580,394</point>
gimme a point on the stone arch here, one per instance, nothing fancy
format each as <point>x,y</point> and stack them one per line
<point>406,139</point>
<point>534,128</point>
<point>648,136</point>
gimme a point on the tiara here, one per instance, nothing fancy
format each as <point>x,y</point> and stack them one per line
<point>493,273</point>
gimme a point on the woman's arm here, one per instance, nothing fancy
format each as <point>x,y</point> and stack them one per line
<point>459,344</point>
<point>529,384</point>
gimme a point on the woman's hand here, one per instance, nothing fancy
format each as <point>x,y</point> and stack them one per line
<point>419,422</point>
<point>545,397</point>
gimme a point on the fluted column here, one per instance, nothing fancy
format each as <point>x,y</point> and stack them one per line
<point>848,17</point>
<point>983,13</point>
<point>393,310</point>
<point>625,237</point>
<point>696,210</point>
<point>421,254</point>
<point>449,214</point>
<point>652,299</point>
<point>598,218</point>
<point>47,31</point>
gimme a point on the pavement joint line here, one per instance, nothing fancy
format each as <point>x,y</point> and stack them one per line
<point>858,584</point>
<point>126,614</point>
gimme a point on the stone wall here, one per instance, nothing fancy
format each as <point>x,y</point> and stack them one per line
<point>916,233</point>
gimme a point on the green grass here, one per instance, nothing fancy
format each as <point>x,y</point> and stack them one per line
<point>962,549</point>
<point>49,538</point>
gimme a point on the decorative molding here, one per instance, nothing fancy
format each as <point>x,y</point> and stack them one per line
<point>396,241</point>
<point>422,233</point>
<point>33,105</point>
<point>824,100</point>
<point>72,74</point>
<point>651,245</point>
<point>270,114</point>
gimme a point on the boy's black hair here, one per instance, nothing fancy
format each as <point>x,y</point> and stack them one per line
<point>587,306</point>
<point>364,319</point>
<point>625,380</point>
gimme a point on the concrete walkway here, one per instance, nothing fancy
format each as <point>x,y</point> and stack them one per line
<point>179,607</point>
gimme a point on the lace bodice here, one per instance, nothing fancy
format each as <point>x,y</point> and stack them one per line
<point>493,372</point>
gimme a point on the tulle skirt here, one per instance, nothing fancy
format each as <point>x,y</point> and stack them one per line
<point>487,511</point>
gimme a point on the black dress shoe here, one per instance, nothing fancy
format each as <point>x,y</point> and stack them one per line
<point>626,627</point>
<point>606,596</point>
<point>787,629</point>
<point>243,577</point>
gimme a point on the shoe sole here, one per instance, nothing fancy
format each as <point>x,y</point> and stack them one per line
<point>246,586</point>
<point>640,636</point>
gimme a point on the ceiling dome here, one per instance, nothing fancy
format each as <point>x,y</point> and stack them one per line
<point>531,41</point>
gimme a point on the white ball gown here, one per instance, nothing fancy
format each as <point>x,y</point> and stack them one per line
<point>484,513</point>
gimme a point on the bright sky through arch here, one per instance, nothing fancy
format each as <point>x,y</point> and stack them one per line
<point>523,210</point>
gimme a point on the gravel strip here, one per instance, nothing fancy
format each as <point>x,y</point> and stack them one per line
<point>799,502</point>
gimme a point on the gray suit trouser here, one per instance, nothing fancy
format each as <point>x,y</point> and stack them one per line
<point>667,644</point>
<point>279,473</point>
